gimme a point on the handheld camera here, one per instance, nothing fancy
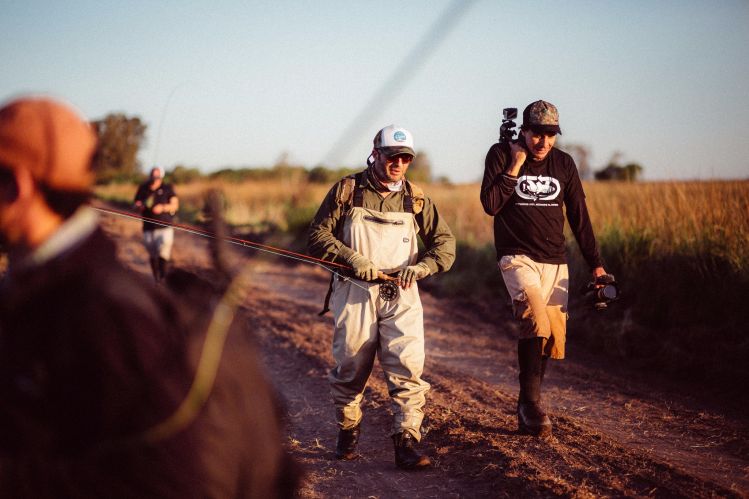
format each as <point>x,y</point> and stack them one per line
<point>602,291</point>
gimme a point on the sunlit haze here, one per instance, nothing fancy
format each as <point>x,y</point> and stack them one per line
<point>235,84</point>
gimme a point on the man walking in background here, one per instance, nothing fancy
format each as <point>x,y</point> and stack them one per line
<point>97,363</point>
<point>156,200</point>
<point>370,221</point>
<point>525,185</point>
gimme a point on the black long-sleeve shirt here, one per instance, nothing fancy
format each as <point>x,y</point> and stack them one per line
<point>149,198</point>
<point>527,209</point>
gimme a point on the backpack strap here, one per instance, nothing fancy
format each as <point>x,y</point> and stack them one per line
<point>326,304</point>
<point>346,192</point>
<point>348,195</point>
<point>414,201</point>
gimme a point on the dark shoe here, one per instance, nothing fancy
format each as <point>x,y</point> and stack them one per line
<point>406,457</point>
<point>345,448</point>
<point>533,420</point>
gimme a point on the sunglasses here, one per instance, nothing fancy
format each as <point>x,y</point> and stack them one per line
<point>405,158</point>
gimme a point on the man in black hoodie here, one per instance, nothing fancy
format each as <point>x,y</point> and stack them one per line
<point>525,186</point>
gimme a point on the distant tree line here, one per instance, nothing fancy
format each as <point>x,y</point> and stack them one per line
<point>613,170</point>
<point>121,136</point>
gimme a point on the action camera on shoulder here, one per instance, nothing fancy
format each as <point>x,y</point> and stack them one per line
<point>507,128</point>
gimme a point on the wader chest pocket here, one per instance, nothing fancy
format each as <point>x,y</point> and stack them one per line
<point>383,221</point>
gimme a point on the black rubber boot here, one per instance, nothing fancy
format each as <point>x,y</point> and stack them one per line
<point>406,457</point>
<point>531,417</point>
<point>154,268</point>
<point>163,268</point>
<point>544,360</point>
<point>345,447</point>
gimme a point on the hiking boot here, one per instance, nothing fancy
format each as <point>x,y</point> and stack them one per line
<point>345,447</point>
<point>533,420</point>
<point>406,457</point>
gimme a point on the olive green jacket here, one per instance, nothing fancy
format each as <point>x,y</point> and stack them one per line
<point>438,241</point>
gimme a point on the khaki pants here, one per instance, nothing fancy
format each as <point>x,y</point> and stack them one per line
<point>158,242</point>
<point>366,326</point>
<point>539,294</point>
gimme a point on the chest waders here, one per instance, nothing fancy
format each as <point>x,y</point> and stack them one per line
<point>350,196</point>
<point>369,325</point>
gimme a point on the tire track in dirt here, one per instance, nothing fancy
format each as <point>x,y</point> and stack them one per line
<point>611,424</point>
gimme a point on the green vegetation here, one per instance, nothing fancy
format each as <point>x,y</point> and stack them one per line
<point>678,250</point>
<point>120,138</point>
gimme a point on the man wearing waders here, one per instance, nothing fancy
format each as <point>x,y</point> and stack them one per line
<point>156,200</point>
<point>524,187</point>
<point>370,222</point>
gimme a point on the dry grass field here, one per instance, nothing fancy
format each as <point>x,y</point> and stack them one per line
<point>669,218</point>
<point>680,251</point>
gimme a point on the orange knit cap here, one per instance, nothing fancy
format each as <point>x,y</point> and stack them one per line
<point>50,140</point>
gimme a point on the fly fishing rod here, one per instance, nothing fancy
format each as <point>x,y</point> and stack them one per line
<point>388,283</point>
<point>218,329</point>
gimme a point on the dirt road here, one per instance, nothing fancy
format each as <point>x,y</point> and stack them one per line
<point>617,431</point>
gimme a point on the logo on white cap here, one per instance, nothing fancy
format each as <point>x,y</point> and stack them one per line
<point>395,136</point>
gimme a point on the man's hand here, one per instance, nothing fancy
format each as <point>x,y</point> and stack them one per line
<point>598,272</point>
<point>518,154</point>
<point>363,267</point>
<point>407,276</point>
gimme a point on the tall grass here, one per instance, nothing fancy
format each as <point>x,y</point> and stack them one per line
<point>680,251</point>
<point>700,219</point>
<point>250,206</point>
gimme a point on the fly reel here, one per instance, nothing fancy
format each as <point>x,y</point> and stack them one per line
<point>389,290</point>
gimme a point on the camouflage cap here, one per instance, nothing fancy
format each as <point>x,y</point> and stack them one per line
<point>541,116</point>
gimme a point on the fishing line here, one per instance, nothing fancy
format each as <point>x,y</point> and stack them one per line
<point>216,335</point>
<point>300,257</point>
<point>217,332</point>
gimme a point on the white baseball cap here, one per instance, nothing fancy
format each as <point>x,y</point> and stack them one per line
<point>393,140</point>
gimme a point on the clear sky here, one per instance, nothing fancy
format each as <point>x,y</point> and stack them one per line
<point>240,83</point>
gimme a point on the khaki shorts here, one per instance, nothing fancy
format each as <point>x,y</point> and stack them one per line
<point>539,293</point>
<point>158,242</point>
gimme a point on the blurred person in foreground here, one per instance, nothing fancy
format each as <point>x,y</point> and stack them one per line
<point>157,202</point>
<point>370,221</point>
<point>525,186</point>
<point>97,363</point>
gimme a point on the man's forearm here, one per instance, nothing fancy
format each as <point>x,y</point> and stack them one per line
<point>324,245</point>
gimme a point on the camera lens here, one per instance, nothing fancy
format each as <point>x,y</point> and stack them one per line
<point>608,292</point>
